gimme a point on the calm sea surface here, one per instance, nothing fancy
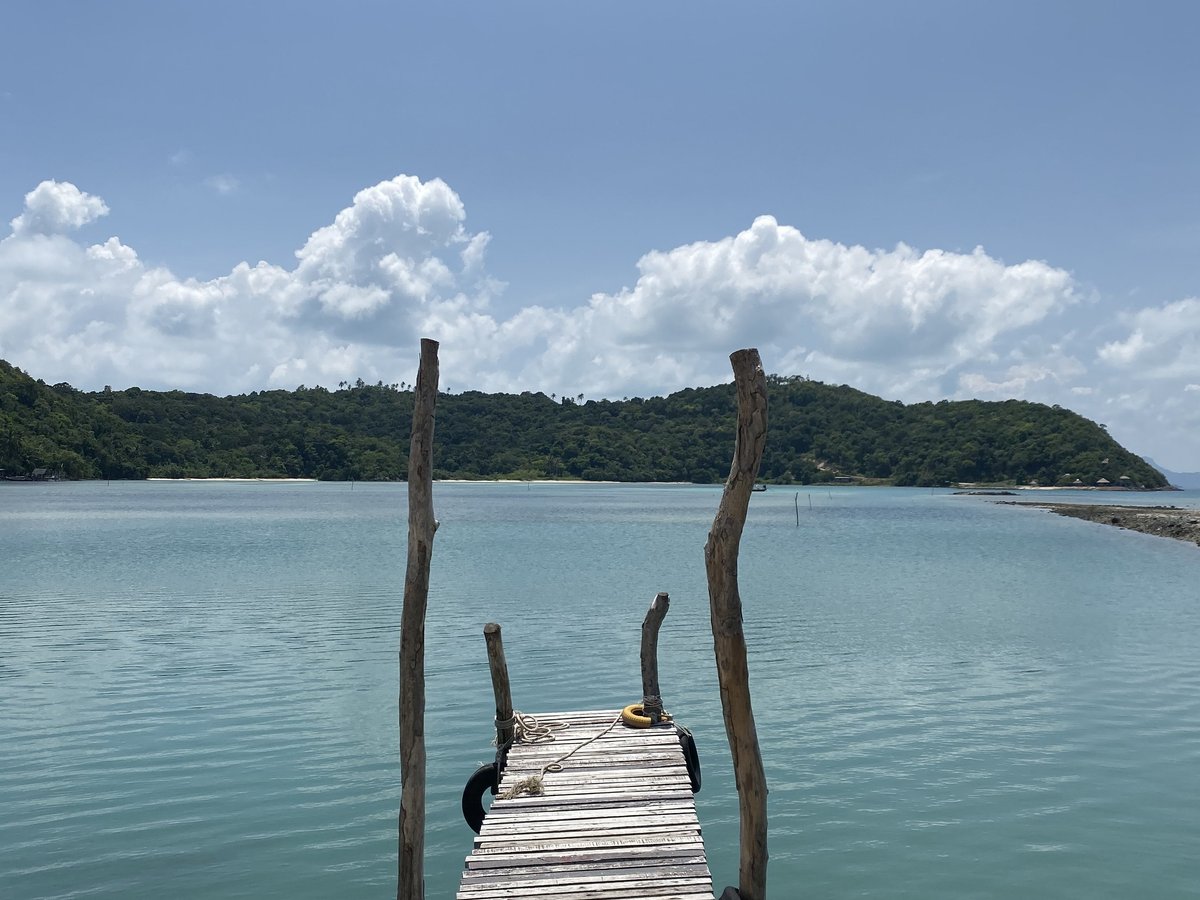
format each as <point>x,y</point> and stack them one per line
<point>956,699</point>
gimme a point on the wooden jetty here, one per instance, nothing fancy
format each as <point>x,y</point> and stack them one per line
<point>617,820</point>
<point>590,805</point>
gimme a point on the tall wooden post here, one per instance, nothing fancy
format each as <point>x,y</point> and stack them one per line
<point>652,704</point>
<point>410,882</point>
<point>500,687</point>
<point>725,606</point>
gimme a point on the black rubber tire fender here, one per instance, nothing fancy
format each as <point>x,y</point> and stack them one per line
<point>691,756</point>
<point>484,779</point>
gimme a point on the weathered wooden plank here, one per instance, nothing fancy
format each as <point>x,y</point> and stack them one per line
<point>581,854</point>
<point>631,843</point>
<point>613,856</point>
<point>539,871</point>
<point>583,792</point>
<point>583,779</point>
<point>506,812</point>
<point>646,886</point>
<point>648,891</point>
<point>627,738</point>
<point>600,748</point>
<point>615,749</point>
<point>663,751</point>
<point>543,872</point>
<point>546,803</point>
<point>631,765</point>
<point>618,821</point>
<point>661,823</point>
<point>518,837</point>
<point>563,806</point>
<point>618,818</point>
<point>589,816</point>
<point>602,780</point>
<point>618,885</point>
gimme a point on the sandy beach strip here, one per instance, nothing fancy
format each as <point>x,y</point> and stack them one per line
<point>1176,522</point>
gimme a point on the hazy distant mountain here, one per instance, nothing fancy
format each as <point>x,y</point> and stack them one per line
<point>1186,480</point>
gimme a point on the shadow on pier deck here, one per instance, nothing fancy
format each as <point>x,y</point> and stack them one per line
<point>618,819</point>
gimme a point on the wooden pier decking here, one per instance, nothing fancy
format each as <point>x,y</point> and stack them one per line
<point>619,820</point>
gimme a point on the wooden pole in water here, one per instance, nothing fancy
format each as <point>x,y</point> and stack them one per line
<point>500,687</point>
<point>410,882</point>
<point>729,640</point>
<point>652,704</point>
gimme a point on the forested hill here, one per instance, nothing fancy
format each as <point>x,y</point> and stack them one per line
<point>817,432</point>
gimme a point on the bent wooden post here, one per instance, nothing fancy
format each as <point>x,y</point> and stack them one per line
<point>725,607</point>
<point>410,881</point>
<point>500,686</point>
<point>652,704</point>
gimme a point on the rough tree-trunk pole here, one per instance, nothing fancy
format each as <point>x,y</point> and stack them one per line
<point>652,704</point>
<point>725,606</point>
<point>410,883</point>
<point>500,686</point>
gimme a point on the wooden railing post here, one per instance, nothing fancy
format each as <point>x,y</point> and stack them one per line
<point>410,880</point>
<point>729,640</point>
<point>652,704</point>
<point>500,687</point>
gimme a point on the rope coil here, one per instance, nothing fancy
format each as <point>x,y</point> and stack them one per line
<point>530,730</point>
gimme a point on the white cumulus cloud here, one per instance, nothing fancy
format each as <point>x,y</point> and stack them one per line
<point>361,287</point>
<point>1163,342</point>
<point>894,321</point>
<point>56,207</point>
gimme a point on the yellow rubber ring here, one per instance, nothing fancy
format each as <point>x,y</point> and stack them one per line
<point>634,716</point>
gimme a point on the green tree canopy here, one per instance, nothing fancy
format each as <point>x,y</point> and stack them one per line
<point>818,432</point>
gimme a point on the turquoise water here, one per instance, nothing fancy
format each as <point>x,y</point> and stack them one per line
<point>956,699</point>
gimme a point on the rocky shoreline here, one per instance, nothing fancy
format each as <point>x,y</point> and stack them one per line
<point>1180,523</point>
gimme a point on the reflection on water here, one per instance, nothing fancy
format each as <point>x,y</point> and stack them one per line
<point>198,683</point>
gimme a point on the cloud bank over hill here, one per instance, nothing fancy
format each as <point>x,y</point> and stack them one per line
<point>400,263</point>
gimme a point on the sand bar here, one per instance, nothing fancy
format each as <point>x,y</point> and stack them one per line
<point>1180,523</point>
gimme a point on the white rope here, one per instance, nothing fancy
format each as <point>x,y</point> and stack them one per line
<point>556,766</point>
<point>529,730</point>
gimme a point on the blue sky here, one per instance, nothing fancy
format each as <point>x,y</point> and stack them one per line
<point>923,200</point>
